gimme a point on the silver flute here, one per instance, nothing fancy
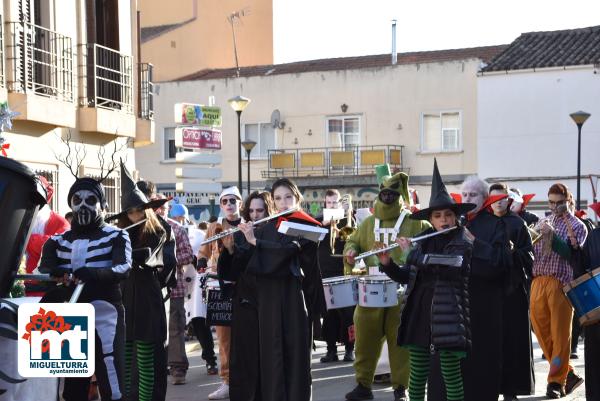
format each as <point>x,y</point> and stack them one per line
<point>396,245</point>
<point>233,230</point>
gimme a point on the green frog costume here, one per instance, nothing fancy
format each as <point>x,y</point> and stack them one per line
<point>373,326</point>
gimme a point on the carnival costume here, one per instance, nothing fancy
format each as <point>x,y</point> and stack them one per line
<point>100,256</point>
<point>146,322</point>
<point>435,317</point>
<point>373,326</point>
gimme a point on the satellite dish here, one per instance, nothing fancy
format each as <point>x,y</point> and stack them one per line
<point>276,122</point>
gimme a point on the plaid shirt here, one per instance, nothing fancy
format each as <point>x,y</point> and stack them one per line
<point>184,254</point>
<point>552,264</point>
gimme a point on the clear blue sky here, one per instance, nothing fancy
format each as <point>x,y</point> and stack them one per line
<point>313,29</point>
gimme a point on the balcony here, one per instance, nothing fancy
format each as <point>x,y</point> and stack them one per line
<point>40,79</point>
<point>3,92</point>
<point>144,134</point>
<point>107,98</point>
<point>355,162</point>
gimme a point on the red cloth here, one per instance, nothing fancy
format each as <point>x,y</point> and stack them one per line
<point>56,225</point>
<point>486,204</point>
<point>596,208</point>
<point>457,197</point>
<point>300,215</point>
<point>526,199</point>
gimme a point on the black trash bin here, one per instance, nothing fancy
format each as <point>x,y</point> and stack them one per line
<point>21,196</point>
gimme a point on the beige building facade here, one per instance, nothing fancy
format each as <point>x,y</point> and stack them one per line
<point>190,35</point>
<point>338,118</point>
<point>70,68</point>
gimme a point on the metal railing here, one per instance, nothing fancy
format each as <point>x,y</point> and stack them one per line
<point>109,78</point>
<point>146,91</point>
<point>338,161</point>
<point>43,61</point>
<point>2,67</point>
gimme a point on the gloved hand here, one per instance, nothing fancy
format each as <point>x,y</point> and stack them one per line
<point>86,274</point>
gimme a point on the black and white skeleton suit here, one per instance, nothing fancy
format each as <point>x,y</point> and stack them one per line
<point>100,256</point>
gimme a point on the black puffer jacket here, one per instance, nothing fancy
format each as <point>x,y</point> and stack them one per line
<point>436,306</point>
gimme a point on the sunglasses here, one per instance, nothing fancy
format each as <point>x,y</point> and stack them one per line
<point>232,201</point>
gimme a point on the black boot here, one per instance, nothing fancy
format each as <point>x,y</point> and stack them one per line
<point>400,394</point>
<point>330,356</point>
<point>349,356</point>
<point>360,393</point>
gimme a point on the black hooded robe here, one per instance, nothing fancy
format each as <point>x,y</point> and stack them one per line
<point>518,377</point>
<point>289,293</point>
<point>244,356</point>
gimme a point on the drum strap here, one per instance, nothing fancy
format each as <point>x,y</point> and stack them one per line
<point>387,235</point>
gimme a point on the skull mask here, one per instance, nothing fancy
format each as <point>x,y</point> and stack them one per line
<point>86,207</point>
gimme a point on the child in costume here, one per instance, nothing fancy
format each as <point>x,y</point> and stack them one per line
<point>435,316</point>
<point>146,321</point>
<point>373,326</point>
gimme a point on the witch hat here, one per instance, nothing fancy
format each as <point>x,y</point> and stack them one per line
<point>132,197</point>
<point>441,199</point>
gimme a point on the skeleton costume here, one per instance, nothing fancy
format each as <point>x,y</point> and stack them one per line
<point>152,268</point>
<point>100,256</point>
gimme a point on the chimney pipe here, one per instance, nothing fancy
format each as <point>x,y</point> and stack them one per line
<point>394,53</point>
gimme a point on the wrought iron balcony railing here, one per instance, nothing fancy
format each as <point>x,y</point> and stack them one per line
<point>42,61</point>
<point>146,91</point>
<point>322,162</point>
<point>109,82</point>
<point>2,66</point>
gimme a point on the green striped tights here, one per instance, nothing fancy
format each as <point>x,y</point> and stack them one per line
<point>419,371</point>
<point>144,352</point>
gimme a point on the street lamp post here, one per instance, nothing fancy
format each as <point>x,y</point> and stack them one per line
<point>238,104</point>
<point>248,145</point>
<point>579,117</point>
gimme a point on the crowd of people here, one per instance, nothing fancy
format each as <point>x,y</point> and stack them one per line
<point>478,272</point>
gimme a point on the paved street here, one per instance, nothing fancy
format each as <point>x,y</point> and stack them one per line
<point>332,381</point>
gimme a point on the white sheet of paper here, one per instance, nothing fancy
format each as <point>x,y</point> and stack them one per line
<point>362,214</point>
<point>312,233</point>
<point>333,214</point>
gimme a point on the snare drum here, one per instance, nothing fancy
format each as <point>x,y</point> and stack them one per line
<point>195,301</point>
<point>584,295</point>
<point>340,292</point>
<point>377,292</point>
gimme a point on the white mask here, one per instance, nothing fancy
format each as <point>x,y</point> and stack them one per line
<point>86,207</point>
<point>472,195</point>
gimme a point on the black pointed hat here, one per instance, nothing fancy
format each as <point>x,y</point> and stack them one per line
<point>440,199</point>
<point>132,197</point>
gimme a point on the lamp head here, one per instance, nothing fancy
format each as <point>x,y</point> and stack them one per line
<point>248,145</point>
<point>238,103</point>
<point>580,117</point>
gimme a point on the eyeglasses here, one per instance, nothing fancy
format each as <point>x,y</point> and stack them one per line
<point>557,203</point>
<point>232,201</point>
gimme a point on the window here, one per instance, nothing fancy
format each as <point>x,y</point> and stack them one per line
<point>441,131</point>
<point>264,136</point>
<point>343,132</point>
<point>169,147</point>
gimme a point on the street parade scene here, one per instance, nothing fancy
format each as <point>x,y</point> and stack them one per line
<point>253,200</point>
